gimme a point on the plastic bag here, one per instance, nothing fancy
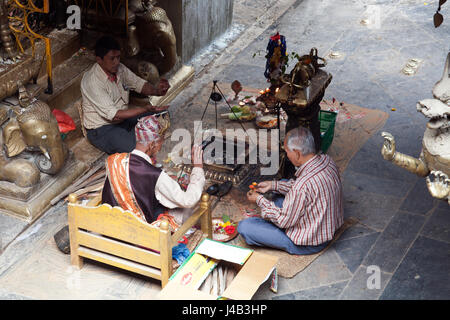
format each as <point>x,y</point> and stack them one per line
<point>65,122</point>
<point>180,252</point>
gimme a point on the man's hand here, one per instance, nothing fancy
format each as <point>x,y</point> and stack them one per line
<point>388,149</point>
<point>197,156</point>
<point>151,108</point>
<point>438,184</point>
<point>252,196</point>
<point>162,87</point>
<point>264,186</point>
<point>156,90</point>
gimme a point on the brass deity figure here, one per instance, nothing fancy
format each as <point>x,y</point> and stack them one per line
<point>151,42</point>
<point>434,160</point>
<point>31,127</point>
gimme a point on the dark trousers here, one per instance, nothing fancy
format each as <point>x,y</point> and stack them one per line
<point>116,138</point>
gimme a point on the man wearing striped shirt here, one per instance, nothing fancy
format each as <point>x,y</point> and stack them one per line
<point>305,219</point>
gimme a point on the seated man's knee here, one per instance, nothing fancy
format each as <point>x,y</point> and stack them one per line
<point>246,225</point>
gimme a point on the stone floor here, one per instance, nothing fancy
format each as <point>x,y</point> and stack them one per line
<point>402,231</point>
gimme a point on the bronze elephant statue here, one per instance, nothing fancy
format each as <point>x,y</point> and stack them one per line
<point>33,128</point>
<point>151,43</point>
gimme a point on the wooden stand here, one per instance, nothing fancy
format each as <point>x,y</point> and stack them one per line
<point>307,116</point>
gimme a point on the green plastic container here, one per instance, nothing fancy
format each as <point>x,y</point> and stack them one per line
<point>327,123</point>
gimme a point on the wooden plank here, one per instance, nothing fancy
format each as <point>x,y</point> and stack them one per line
<point>189,223</point>
<point>95,201</point>
<point>77,184</point>
<point>75,259</point>
<point>118,248</point>
<point>95,187</point>
<point>166,256</point>
<point>119,262</point>
<point>117,223</point>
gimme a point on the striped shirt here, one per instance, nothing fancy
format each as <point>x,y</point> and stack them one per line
<point>313,208</point>
<point>103,97</point>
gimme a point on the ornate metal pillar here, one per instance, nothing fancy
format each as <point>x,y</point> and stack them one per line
<point>20,26</point>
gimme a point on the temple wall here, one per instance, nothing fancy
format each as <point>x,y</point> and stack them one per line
<point>197,23</point>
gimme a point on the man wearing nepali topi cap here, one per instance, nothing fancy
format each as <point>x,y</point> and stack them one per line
<point>135,184</point>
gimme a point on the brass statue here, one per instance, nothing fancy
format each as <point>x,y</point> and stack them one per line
<point>151,44</point>
<point>9,48</point>
<point>31,127</point>
<point>434,160</point>
<point>21,172</point>
<point>294,87</point>
<point>19,66</point>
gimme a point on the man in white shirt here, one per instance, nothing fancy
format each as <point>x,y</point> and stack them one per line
<point>135,184</point>
<point>107,116</point>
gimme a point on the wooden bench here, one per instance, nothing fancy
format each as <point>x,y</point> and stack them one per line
<point>117,237</point>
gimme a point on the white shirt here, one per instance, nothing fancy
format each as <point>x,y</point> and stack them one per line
<point>168,191</point>
<point>102,98</point>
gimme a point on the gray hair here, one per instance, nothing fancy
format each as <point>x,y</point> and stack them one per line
<point>301,139</point>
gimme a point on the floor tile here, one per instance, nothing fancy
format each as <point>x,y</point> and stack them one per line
<point>423,273</point>
<point>443,204</point>
<point>374,184</point>
<point>385,62</point>
<point>349,85</point>
<point>356,231</point>
<point>6,295</point>
<point>10,228</point>
<point>248,75</point>
<point>353,251</point>
<point>33,237</point>
<point>364,285</point>
<point>393,243</point>
<point>438,225</point>
<point>329,292</point>
<point>371,209</point>
<point>370,161</point>
<point>327,269</point>
<point>419,199</point>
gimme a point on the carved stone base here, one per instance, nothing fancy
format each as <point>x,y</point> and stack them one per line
<point>29,203</point>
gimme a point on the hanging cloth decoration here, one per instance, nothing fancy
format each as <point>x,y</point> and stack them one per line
<point>276,56</point>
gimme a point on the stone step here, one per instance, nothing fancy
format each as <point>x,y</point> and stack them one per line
<point>66,80</point>
<point>64,43</point>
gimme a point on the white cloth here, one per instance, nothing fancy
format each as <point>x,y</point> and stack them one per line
<point>102,98</point>
<point>169,193</point>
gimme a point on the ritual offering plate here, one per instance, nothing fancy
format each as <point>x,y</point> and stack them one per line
<point>224,231</point>
<point>266,122</point>
<point>242,113</point>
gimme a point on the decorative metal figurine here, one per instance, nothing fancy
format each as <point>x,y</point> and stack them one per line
<point>31,127</point>
<point>151,42</point>
<point>434,160</point>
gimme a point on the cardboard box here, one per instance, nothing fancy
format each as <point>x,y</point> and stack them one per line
<point>253,269</point>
